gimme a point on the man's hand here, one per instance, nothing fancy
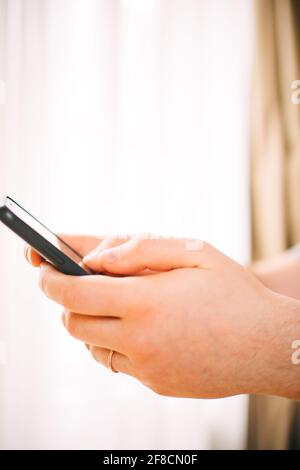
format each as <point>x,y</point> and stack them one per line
<point>199,325</point>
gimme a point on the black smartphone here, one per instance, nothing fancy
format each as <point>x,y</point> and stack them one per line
<point>45,242</point>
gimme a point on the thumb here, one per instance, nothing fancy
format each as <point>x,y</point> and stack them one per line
<point>156,254</point>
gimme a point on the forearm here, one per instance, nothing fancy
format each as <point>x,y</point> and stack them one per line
<point>281,358</point>
<point>282,275</point>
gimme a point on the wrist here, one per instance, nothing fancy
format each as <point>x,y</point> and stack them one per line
<point>280,274</point>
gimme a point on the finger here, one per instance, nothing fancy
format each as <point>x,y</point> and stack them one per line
<point>120,362</point>
<point>83,244</point>
<point>32,256</point>
<point>111,242</point>
<point>91,259</point>
<point>157,254</point>
<point>93,295</point>
<point>100,331</point>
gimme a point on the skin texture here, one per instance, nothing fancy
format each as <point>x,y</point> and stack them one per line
<point>183,318</point>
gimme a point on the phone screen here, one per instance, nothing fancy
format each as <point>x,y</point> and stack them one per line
<point>42,230</point>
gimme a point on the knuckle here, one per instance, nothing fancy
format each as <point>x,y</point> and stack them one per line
<point>141,242</point>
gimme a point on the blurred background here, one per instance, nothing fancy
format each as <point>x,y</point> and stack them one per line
<point>116,117</point>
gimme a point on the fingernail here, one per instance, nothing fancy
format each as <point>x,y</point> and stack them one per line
<point>90,256</point>
<point>27,254</point>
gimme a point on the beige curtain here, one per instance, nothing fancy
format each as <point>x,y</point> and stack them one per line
<point>275,175</point>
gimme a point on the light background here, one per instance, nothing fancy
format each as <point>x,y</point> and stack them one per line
<point>121,116</point>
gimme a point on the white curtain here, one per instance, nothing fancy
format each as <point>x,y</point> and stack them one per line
<point>117,116</point>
